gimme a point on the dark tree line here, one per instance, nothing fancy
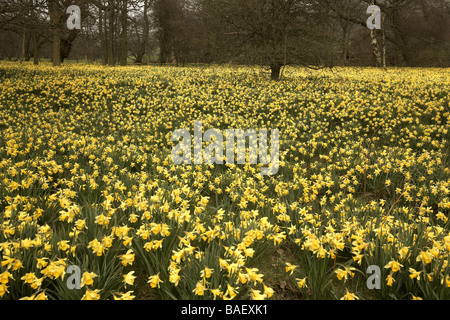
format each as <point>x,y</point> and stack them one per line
<point>272,33</point>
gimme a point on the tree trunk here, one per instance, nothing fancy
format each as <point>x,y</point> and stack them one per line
<point>102,36</point>
<point>400,37</point>
<point>35,49</point>
<point>54,21</point>
<point>384,49</point>
<point>111,34</point>
<point>164,49</point>
<point>275,69</point>
<point>345,42</point>
<point>375,47</point>
<point>24,40</point>
<point>383,43</point>
<point>143,43</point>
<point>124,36</point>
<point>56,51</point>
<point>66,44</point>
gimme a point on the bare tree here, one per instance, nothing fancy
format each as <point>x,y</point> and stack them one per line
<point>101,27</point>
<point>405,28</point>
<point>124,35</point>
<point>26,19</point>
<point>55,14</point>
<point>140,23</point>
<point>272,33</point>
<point>107,14</point>
<point>277,33</point>
<point>169,20</point>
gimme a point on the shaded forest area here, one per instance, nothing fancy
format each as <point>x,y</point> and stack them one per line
<point>271,33</point>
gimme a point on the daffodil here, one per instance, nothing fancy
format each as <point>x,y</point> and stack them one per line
<point>91,294</point>
<point>257,295</point>
<point>199,289</point>
<point>41,296</point>
<point>87,278</point>
<point>155,281</point>
<point>268,291</point>
<point>174,277</point>
<point>343,274</point>
<point>127,258</point>
<point>216,293</point>
<point>206,272</point>
<point>425,257</point>
<point>28,277</point>
<point>37,283</point>
<point>393,265</point>
<point>128,278</point>
<point>3,289</point>
<point>63,245</point>
<point>290,268</point>
<point>5,276</point>
<point>96,247</point>
<point>414,274</point>
<point>349,296</point>
<point>125,296</point>
<point>301,283</point>
<point>390,280</point>
<point>231,292</point>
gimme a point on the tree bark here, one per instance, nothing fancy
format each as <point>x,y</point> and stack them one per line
<point>375,48</point>
<point>146,25</point>
<point>399,35</point>
<point>345,41</point>
<point>124,36</point>
<point>275,69</point>
<point>111,33</point>
<point>164,49</point>
<point>24,40</point>
<point>35,48</point>
<point>66,44</point>
<point>54,21</point>
<point>383,62</point>
<point>102,36</point>
<point>384,49</point>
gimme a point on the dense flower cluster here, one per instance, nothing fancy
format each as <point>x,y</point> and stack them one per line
<point>86,179</point>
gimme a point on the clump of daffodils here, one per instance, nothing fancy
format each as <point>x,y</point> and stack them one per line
<point>86,179</point>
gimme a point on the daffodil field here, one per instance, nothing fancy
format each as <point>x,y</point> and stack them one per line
<point>87,180</point>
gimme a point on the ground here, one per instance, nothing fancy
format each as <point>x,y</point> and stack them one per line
<point>87,178</point>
